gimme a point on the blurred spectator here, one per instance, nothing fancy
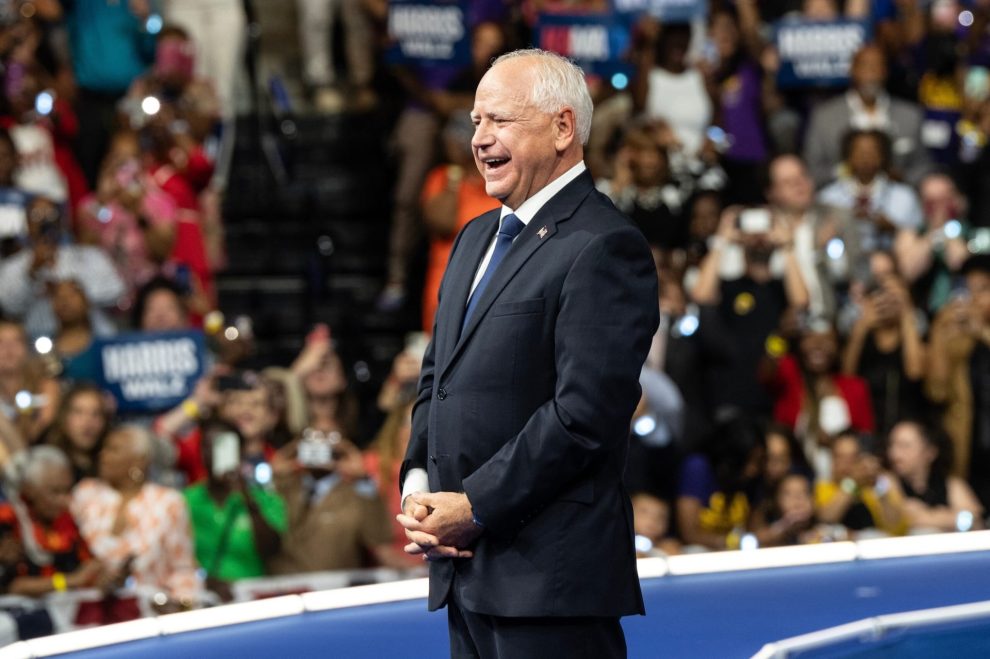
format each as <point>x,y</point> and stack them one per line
<point>330,404</point>
<point>787,517</point>
<point>34,134</point>
<point>880,207</point>
<point>218,28</point>
<point>160,307</point>
<point>958,374</point>
<point>13,200</point>
<point>434,92</point>
<point>110,47</point>
<point>237,523</point>
<point>25,277</point>
<point>317,40</point>
<point>940,88</point>
<point>186,106</point>
<point>678,351</point>
<point>29,397</point>
<point>791,195</point>
<point>404,376</point>
<point>859,494</point>
<point>866,107</point>
<point>336,518</point>
<point>383,460</point>
<point>815,398</point>
<point>132,219</point>
<point>80,427</point>
<point>454,194</point>
<point>934,500</point>
<point>748,307</point>
<point>134,526</point>
<point>76,327</point>
<point>930,258</point>
<point>736,83</point>
<point>241,398</point>
<point>885,348</point>
<point>783,456</point>
<point>54,557</point>
<point>651,521</point>
<point>716,490</point>
<point>641,187</point>
<point>664,73</point>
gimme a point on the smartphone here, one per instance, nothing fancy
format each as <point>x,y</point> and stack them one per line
<point>754,220</point>
<point>226,453</point>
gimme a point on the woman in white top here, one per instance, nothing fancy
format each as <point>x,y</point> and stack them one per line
<point>669,89</point>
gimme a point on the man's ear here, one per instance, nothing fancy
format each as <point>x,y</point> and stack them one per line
<point>564,129</point>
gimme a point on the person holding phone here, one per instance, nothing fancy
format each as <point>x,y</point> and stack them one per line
<point>237,523</point>
<point>958,374</point>
<point>742,303</point>
<point>336,518</point>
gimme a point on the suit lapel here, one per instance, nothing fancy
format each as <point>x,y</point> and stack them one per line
<point>460,280</point>
<point>536,234</point>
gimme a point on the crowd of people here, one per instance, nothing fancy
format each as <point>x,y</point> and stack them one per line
<point>822,369</point>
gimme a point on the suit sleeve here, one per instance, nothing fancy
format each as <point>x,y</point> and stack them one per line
<point>607,316</point>
<point>417,451</point>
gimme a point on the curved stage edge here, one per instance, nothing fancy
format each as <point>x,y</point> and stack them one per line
<point>723,605</point>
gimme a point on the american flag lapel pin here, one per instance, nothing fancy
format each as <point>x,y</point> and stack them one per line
<point>542,233</point>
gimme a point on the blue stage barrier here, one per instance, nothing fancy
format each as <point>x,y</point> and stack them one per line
<point>723,614</point>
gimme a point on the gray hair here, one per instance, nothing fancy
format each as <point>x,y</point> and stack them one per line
<point>142,444</point>
<point>39,460</point>
<point>559,84</point>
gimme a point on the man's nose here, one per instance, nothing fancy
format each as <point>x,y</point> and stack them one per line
<point>482,137</point>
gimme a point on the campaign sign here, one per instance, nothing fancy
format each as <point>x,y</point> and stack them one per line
<point>429,30</point>
<point>598,42</point>
<point>817,53</point>
<point>671,11</point>
<point>150,371</point>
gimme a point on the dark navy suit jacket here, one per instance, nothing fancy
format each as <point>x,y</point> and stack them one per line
<point>527,410</point>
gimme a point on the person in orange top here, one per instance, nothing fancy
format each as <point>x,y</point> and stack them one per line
<point>454,194</point>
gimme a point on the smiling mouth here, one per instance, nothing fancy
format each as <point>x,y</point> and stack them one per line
<point>494,164</point>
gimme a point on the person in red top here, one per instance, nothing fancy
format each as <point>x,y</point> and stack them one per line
<point>53,555</point>
<point>813,397</point>
<point>242,399</point>
<point>454,194</point>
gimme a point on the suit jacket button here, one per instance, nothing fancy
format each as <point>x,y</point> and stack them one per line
<point>441,393</point>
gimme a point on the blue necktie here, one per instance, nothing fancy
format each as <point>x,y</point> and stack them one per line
<point>510,228</point>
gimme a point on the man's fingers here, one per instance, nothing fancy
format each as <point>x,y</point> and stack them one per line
<point>424,540</point>
<point>427,499</point>
<point>445,552</point>
<point>413,549</point>
<point>409,523</point>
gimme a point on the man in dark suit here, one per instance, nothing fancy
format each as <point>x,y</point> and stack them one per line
<point>512,483</point>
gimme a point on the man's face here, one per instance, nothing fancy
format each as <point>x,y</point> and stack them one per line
<point>869,72</point>
<point>514,145</point>
<point>791,188</point>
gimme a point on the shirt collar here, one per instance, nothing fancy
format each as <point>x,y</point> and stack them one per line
<point>863,119</point>
<point>529,208</point>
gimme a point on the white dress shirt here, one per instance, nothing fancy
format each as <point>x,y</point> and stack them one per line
<point>417,479</point>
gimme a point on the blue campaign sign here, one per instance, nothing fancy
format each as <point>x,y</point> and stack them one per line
<point>150,371</point>
<point>596,41</point>
<point>817,53</point>
<point>429,31</point>
<point>671,11</point>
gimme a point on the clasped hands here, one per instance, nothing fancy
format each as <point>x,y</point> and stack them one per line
<point>438,525</point>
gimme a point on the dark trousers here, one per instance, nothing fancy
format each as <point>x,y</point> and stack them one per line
<point>480,636</point>
<point>97,112</point>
